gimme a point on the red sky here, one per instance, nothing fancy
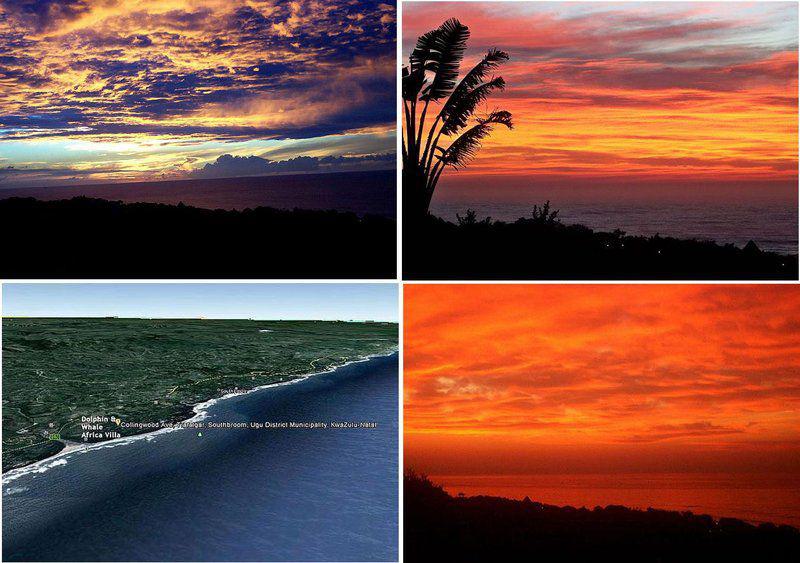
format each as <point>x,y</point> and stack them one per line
<point>503,379</point>
<point>655,95</point>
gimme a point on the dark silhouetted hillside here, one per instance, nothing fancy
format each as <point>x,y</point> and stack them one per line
<point>83,237</point>
<point>363,193</point>
<point>438,527</point>
<point>541,247</point>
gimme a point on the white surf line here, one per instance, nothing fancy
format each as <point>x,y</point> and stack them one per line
<point>200,410</point>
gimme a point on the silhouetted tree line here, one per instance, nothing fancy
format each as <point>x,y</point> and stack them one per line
<point>542,247</point>
<point>84,237</point>
<point>439,527</point>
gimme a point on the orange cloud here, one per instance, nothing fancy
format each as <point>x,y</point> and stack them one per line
<point>513,377</point>
<point>626,91</point>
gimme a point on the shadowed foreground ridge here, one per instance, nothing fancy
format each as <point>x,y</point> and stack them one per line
<point>541,247</point>
<point>440,527</point>
<point>84,237</point>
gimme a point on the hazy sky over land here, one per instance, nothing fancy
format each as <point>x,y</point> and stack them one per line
<point>98,90</point>
<point>657,95</point>
<point>190,300</point>
<point>505,379</point>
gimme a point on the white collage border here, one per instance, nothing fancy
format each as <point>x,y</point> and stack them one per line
<point>398,280</point>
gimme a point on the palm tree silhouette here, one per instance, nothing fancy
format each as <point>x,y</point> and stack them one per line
<point>431,77</point>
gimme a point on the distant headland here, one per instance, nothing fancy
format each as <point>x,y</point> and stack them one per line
<point>438,526</point>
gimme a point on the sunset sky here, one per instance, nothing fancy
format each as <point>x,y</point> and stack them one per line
<point>663,96</point>
<point>113,90</point>
<point>505,379</point>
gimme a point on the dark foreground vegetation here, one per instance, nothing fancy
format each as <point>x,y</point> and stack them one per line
<point>541,247</point>
<point>438,527</point>
<point>83,237</point>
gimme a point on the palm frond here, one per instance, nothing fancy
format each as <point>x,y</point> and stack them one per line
<point>421,59</point>
<point>491,60</point>
<point>460,109</point>
<point>465,147</point>
<point>424,49</point>
<point>446,46</point>
<point>500,117</point>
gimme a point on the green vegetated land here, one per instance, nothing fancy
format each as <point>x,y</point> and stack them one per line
<point>151,370</point>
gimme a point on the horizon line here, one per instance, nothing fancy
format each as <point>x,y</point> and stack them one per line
<point>165,180</point>
<point>200,319</point>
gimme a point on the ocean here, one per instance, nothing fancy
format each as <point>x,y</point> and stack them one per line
<point>363,193</point>
<point>771,225</point>
<point>234,494</point>
<point>754,498</point>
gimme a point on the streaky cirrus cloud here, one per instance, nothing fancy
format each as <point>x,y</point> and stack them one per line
<point>559,377</point>
<point>684,92</point>
<point>169,80</point>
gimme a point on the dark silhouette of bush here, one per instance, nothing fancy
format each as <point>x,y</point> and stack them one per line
<point>439,527</point>
<point>542,247</point>
<point>470,218</point>
<point>96,238</point>
<point>543,216</point>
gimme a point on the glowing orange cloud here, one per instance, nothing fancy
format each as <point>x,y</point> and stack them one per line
<point>516,378</point>
<point>645,91</point>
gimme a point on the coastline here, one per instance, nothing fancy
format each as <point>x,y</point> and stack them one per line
<point>609,231</point>
<point>476,528</point>
<point>200,411</point>
<point>439,249</point>
<point>723,224</point>
<point>278,191</point>
<point>231,495</point>
<point>587,491</point>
